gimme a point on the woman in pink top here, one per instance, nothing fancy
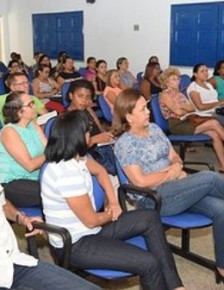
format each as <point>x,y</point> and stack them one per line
<point>112,89</point>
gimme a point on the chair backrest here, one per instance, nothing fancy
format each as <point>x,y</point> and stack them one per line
<point>139,76</point>
<point>105,109</point>
<point>98,193</point>
<point>120,173</point>
<point>185,81</point>
<point>48,125</point>
<point>157,115</point>
<point>2,87</point>
<point>82,71</point>
<point>64,92</point>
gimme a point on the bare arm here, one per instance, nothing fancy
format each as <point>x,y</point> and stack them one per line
<point>43,111</point>
<point>111,96</point>
<point>176,108</point>
<point>154,179</point>
<point>104,180</point>
<point>18,150</point>
<point>15,215</point>
<point>213,82</point>
<point>145,89</point>
<point>196,98</point>
<point>104,137</point>
<point>82,207</point>
<point>41,133</point>
<point>60,82</point>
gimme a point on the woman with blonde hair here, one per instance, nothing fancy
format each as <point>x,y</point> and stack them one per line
<point>174,106</point>
<point>113,87</point>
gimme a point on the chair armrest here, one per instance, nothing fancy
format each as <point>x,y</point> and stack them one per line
<point>125,189</point>
<point>209,165</point>
<point>65,235</point>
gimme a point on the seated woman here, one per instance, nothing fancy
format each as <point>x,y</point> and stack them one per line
<point>202,94</point>
<point>150,83</point>
<point>59,65</point>
<point>13,67</point>
<point>153,59</point>
<point>100,82</point>
<point>90,73</point>
<point>174,105</point>
<point>21,151</point>
<point>113,88</point>
<point>69,73</point>
<point>45,87</point>
<point>98,237</point>
<point>44,59</point>
<point>217,81</point>
<point>127,78</point>
<point>149,160</point>
<point>80,96</point>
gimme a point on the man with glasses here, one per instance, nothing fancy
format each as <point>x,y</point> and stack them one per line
<point>20,271</point>
<point>18,82</point>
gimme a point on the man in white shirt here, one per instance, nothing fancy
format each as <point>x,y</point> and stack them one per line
<point>19,271</point>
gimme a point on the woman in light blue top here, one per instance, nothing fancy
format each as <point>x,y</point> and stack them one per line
<point>149,160</point>
<point>217,81</point>
<point>21,151</point>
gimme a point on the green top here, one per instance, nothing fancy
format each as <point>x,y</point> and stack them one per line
<point>38,106</point>
<point>10,169</point>
<point>220,87</point>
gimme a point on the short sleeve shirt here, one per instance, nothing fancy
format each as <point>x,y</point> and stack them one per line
<point>60,181</point>
<point>9,251</point>
<point>150,153</point>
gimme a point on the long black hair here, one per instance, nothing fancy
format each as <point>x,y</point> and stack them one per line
<point>68,137</point>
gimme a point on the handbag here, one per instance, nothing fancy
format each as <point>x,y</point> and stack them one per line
<point>220,111</point>
<point>196,120</point>
<point>105,156</point>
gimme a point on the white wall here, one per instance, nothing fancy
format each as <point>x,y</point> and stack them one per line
<point>4,28</point>
<point>108,28</point>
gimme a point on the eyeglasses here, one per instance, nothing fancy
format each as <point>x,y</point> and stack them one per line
<point>31,104</point>
<point>22,84</point>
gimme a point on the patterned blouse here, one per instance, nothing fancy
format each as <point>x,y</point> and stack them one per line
<point>151,153</point>
<point>179,100</point>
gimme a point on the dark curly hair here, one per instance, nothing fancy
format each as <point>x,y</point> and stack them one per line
<point>12,106</point>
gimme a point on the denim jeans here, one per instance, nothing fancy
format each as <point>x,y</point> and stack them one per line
<point>108,250</point>
<point>47,277</point>
<point>201,192</point>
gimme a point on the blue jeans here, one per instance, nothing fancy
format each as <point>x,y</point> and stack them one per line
<point>202,192</point>
<point>48,277</point>
<point>108,250</point>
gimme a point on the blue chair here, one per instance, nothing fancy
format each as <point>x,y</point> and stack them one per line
<point>99,197</point>
<point>185,81</point>
<point>185,221</point>
<point>105,109</point>
<point>2,87</point>
<point>64,92</point>
<point>181,140</point>
<point>82,71</point>
<point>48,125</point>
<point>32,211</point>
<point>139,76</point>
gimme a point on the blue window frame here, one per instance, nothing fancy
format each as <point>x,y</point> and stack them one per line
<point>197,34</point>
<point>54,32</point>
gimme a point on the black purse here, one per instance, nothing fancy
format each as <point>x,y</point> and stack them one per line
<point>105,156</point>
<point>220,111</point>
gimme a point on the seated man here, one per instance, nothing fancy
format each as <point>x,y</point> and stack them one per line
<point>21,271</point>
<point>19,82</point>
